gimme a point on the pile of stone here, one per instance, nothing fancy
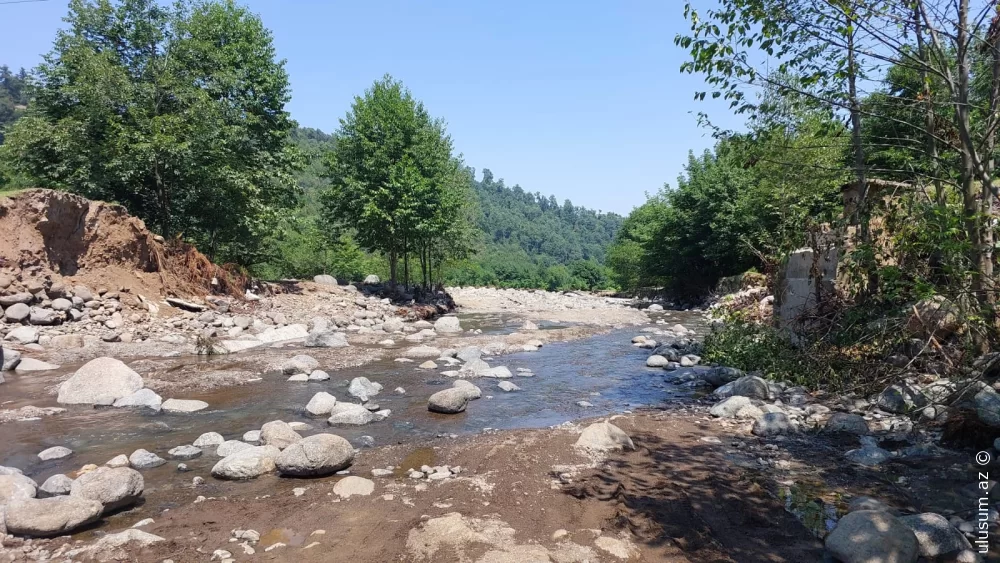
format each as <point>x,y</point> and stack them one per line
<point>62,505</point>
<point>872,531</point>
<point>70,311</point>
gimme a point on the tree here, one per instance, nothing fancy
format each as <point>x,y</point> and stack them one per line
<point>13,97</point>
<point>827,50</point>
<point>395,182</point>
<point>176,112</point>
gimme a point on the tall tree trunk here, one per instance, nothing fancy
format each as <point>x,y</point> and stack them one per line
<point>930,124</point>
<point>987,203</point>
<point>393,261</point>
<point>861,213</point>
<point>406,264</point>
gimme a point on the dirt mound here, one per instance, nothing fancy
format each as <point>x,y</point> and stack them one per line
<point>51,236</point>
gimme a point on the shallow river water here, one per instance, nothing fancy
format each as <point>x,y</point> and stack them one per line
<point>605,370</point>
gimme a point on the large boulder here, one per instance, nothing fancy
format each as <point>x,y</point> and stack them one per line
<point>773,424</point>
<point>208,439</point>
<point>936,536</point>
<point>15,298</point>
<point>847,423</point>
<point>299,364</point>
<point>469,353</point>
<point>247,464</point>
<point>229,447</point>
<point>55,485</point>
<point>470,390</point>
<point>279,434</point>
<point>750,386</point>
<point>281,334</point>
<point>869,454</point>
<point>319,454</point>
<point>10,359</point>
<point>325,279</point>
<point>321,404</point>
<point>55,516</point>
<point>870,536</point>
<point>353,486</point>
<point>351,414</point>
<point>114,488</point>
<point>15,486</point>
<point>100,381</point>
<point>901,398</point>
<point>604,436</point>
<point>447,325</point>
<point>987,403</point>
<point>23,335</point>
<point>392,324</point>
<point>326,339</point>
<point>371,279</point>
<point>720,376</point>
<point>16,313</point>
<point>935,316</point>
<point>363,389</point>
<point>657,361</point>
<point>44,317</point>
<point>736,407</point>
<point>142,398</point>
<point>448,401</point>
<point>422,352</point>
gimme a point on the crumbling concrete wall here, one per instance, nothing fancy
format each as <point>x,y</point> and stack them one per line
<point>807,280</point>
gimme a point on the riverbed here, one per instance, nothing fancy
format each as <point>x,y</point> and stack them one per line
<point>605,371</point>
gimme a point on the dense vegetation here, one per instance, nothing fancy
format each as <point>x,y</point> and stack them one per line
<point>895,101</point>
<point>13,96</point>
<point>521,239</point>
<point>739,206</point>
<point>530,240</point>
<point>178,113</point>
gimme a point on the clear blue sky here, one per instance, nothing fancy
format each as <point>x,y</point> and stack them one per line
<point>583,100</point>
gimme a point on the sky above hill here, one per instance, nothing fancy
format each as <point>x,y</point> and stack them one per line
<point>583,100</point>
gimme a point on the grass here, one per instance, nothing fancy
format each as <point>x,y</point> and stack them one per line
<point>4,192</point>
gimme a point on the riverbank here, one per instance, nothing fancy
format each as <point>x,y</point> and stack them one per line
<point>523,495</point>
<point>502,480</point>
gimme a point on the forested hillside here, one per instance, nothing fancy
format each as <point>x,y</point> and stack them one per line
<point>530,240</point>
<point>221,164</point>
<point>524,239</point>
<point>13,96</point>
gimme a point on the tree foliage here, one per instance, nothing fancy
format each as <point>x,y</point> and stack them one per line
<point>395,182</point>
<point>740,206</point>
<point>176,112</point>
<point>13,97</point>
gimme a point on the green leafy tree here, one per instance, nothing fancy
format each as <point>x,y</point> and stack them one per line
<point>395,182</point>
<point>13,97</point>
<point>176,112</point>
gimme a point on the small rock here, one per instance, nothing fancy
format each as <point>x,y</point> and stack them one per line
<point>142,459</point>
<point>604,436</point>
<point>351,486</point>
<point>208,439</point>
<point>183,406</point>
<point>57,452</point>
<point>55,485</point>
<point>184,452</point>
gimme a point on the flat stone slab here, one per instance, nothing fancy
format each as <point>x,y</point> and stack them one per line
<point>183,406</point>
